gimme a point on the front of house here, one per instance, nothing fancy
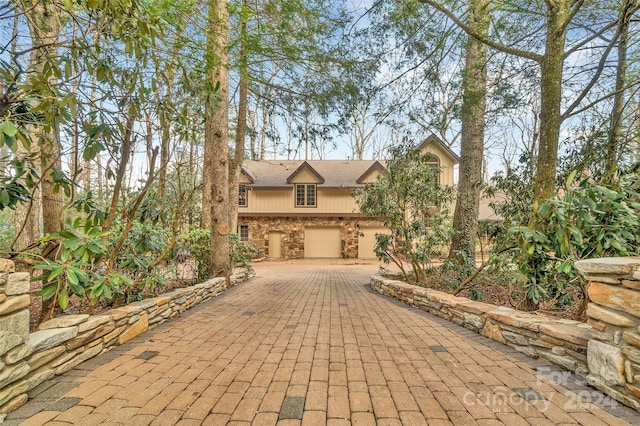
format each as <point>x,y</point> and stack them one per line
<point>305,209</point>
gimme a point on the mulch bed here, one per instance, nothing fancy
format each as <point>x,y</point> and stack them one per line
<point>498,289</point>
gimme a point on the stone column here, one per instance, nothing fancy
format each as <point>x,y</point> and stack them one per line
<point>14,332</point>
<point>614,307</point>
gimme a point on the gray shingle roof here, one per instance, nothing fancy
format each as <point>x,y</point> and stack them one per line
<point>336,173</point>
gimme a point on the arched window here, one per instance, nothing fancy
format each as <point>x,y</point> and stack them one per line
<point>434,161</point>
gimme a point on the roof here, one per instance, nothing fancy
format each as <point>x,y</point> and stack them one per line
<point>336,173</point>
<point>329,173</point>
<point>434,139</point>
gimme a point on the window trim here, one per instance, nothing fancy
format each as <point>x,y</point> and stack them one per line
<point>306,194</point>
<point>240,228</point>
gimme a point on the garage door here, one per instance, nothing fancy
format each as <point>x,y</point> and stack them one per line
<point>367,242</point>
<point>322,243</point>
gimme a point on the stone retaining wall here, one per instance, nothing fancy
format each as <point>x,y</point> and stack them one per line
<point>607,355</point>
<point>28,359</point>
<point>614,309</point>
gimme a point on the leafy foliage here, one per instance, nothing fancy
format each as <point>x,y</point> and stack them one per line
<point>585,219</point>
<point>197,242</point>
<point>413,206</point>
<point>72,272</point>
<point>241,253</point>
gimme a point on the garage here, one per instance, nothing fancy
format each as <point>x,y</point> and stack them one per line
<point>367,241</point>
<point>322,243</point>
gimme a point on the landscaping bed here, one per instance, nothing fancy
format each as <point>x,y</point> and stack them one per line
<point>497,288</point>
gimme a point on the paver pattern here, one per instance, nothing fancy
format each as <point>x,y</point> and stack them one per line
<point>307,342</point>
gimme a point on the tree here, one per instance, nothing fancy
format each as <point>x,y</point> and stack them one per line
<point>235,162</point>
<point>215,200</point>
<point>614,136</point>
<point>44,21</point>
<point>52,116</point>
<point>474,84</point>
<point>413,206</point>
<point>558,16</point>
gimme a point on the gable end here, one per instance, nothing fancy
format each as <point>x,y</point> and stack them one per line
<point>433,139</point>
<point>374,167</point>
<point>305,167</point>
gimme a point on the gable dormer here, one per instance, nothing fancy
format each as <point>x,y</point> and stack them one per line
<point>305,174</point>
<point>372,173</point>
<point>435,146</point>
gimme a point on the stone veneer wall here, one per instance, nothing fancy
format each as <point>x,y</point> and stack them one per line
<point>606,350</point>
<point>614,309</point>
<point>28,359</point>
<point>292,231</point>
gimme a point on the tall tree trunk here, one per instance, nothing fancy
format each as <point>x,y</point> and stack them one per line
<point>615,129</point>
<point>474,83</point>
<point>235,163</point>
<point>44,25</point>
<point>50,156</point>
<point>100,176</point>
<point>165,122</point>
<point>125,154</point>
<point>216,210</point>
<point>263,131</point>
<point>193,148</point>
<point>26,215</point>
<point>4,149</point>
<point>86,175</point>
<point>558,15</point>
<point>164,155</point>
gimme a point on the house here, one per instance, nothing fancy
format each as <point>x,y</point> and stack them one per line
<point>305,209</point>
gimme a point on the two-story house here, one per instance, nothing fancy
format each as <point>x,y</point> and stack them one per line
<point>305,209</point>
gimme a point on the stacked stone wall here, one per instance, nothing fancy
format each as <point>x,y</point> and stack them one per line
<point>614,309</point>
<point>28,359</point>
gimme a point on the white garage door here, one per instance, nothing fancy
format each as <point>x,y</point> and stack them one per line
<point>322,243</point>
<point>367,242</point>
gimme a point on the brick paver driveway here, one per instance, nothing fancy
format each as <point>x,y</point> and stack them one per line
<point>308,342</point>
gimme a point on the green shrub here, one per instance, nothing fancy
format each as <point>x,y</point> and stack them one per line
<point>241,253</point>
<point>586,220</point>
<point>197,242</point>
<point>410,202</point>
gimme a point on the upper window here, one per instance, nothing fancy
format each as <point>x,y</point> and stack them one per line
<point>434,163</point>
<point>242,196</point>
<point>306,195</point>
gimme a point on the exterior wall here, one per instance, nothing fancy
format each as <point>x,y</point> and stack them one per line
<point>282,201</point>
<point>28,359</point>
<point>292,230</point>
